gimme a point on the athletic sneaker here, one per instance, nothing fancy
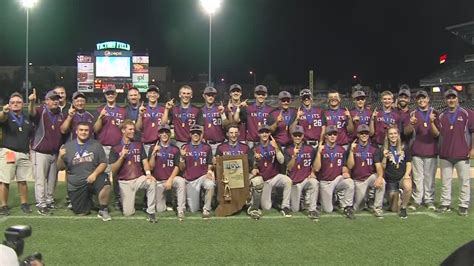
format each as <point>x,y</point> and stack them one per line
<point>443,209</point>
<point>378,212</point>
<point>431,206</point>
<point>255,214</point>
<point>413,207</point>
<point>206,214</point>
<point>349,212</point>
<point>44,211</point>
<point>403,213</point>
<point>152,218</point>
<point>285,212</point>
<point>25,208</point>
<point>181,216</point>
<point>104,215</point>
<point>462,211</point>
<point>4,211</point>
<point>51,206</point>
<point>313,215</point>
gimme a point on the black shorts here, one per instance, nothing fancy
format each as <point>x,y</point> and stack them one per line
<point>392,185</point>
<point>81,199</point>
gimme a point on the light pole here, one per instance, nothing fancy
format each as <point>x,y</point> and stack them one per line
<point>254,77</point>
<point>210,6</point>
<point>27,4</point>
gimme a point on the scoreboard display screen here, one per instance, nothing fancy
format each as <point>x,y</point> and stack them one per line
<point>113,66</point>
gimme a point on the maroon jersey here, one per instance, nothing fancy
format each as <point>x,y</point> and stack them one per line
<point>339,119</point>
<point>364,118</point>
<point>239,149</point>
<point>382,122</point>
<point>256,117</point>
<point>212,122</point>
<point>165,161</point>
<point>197,160</point>
<point>365,158</point>
<point>183,119</point>
<point>110,134</point>
<point>455,134</point>
<point>132,167</point>
<point>268,165</point>
<point>47,138</point>
<point>332,161</point>
<point>422,142</point>
<point>312,122</point>
<point>81,117</point>
<point>282,132</point>
<point>303,162</point>
<point>151,121</point>
<point>242,126</point>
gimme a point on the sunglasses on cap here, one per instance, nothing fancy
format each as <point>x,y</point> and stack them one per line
<point>297,135</point>
<point>261,93</point>
<point>110,93</point>
<point>196,132</point>
<point>364,133</point>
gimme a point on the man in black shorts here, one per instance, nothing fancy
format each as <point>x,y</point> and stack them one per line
<point>84,160</point>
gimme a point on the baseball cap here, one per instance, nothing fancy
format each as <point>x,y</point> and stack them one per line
<point>164,127</point>
<point>362,128</point>
<point>78,94</point>
<point>357,94</point>
<point>210,90</point>
<point>235,86</point>
<point>421,93</point>
<point>260,88</point>
<point>451,92</point>
<point>16,94</point>
<point>195,128</point>
<point>153,88</point>
<point>297,129</point>
<point>331,129</point>
<point>284,94</point>
<point>52,95</point>
<point>107,89</point>
<point>404,89</point>
<point>264,128</point>
<point>305,92</point>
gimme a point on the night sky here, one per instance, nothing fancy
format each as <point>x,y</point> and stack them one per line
<point>380,41</point>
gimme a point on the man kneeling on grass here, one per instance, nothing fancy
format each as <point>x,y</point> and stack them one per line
<point>84,160</point>
<point>129,163</point>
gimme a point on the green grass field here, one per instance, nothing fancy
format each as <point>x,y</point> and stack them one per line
<point>425,238</point>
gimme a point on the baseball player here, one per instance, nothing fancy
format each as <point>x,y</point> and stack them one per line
<point>236,110</point>
<point>164,162</point>
<point>257,115</point>
<point>130,166</point>
<point>299,159</point>
<point>268,160</point>
<point>365,162</point>
<point>424,150</point>
<point>196,164</point>
<point>381,121</point>
<point>455,131</point>
<point>397,169</point>
<point>183,116</point>
<point>77,114</point>
<point>150,118</point>
<point>338,117</point>
<point>282,119</point>
<point>84,161</point>
<point>15,160</point>
<point>46,143</point>
<point>234,147</point>
<point>213,117</point>
<point>360,114</point>
<point>311,119</point>
<point>333,174</point>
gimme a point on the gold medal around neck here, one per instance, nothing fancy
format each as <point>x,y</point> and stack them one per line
<point>330,165</point>
<point>195,163</point>
<point>451,127</point>
<point>164,165</point>
<point>20,129</point>
<point>363,163</point>
<point>259,124</point>
<point>182,124</point>
<point>209,125</point>
<point>52,127</point>
<point>299,166</point>
<point>113,122</point>
<point>309,126</point>
<point>153,124</point>
<point>265,164</point>
<point>425,124</point>
<point>129,162</point>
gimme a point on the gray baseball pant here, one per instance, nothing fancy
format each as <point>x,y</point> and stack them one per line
<point>128,189</point>
<point>311,186</point>
<point>180,185</point>
<point>279,180</point>
<point>327,188</point>
<point>361,192</point>
<point>46,175</point>
<point>424,171</point>
<point>193,191</point>
<point>462,168</point>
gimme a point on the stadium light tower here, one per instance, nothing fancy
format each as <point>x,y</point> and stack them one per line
<point>27,4</point>
<point>252,73</point>
<point>210,6</point>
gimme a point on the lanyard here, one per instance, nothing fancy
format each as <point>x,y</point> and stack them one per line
<point>17,119</point>
<point>196,152</point>
<point>332,153</point>
<point>82,149</point>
